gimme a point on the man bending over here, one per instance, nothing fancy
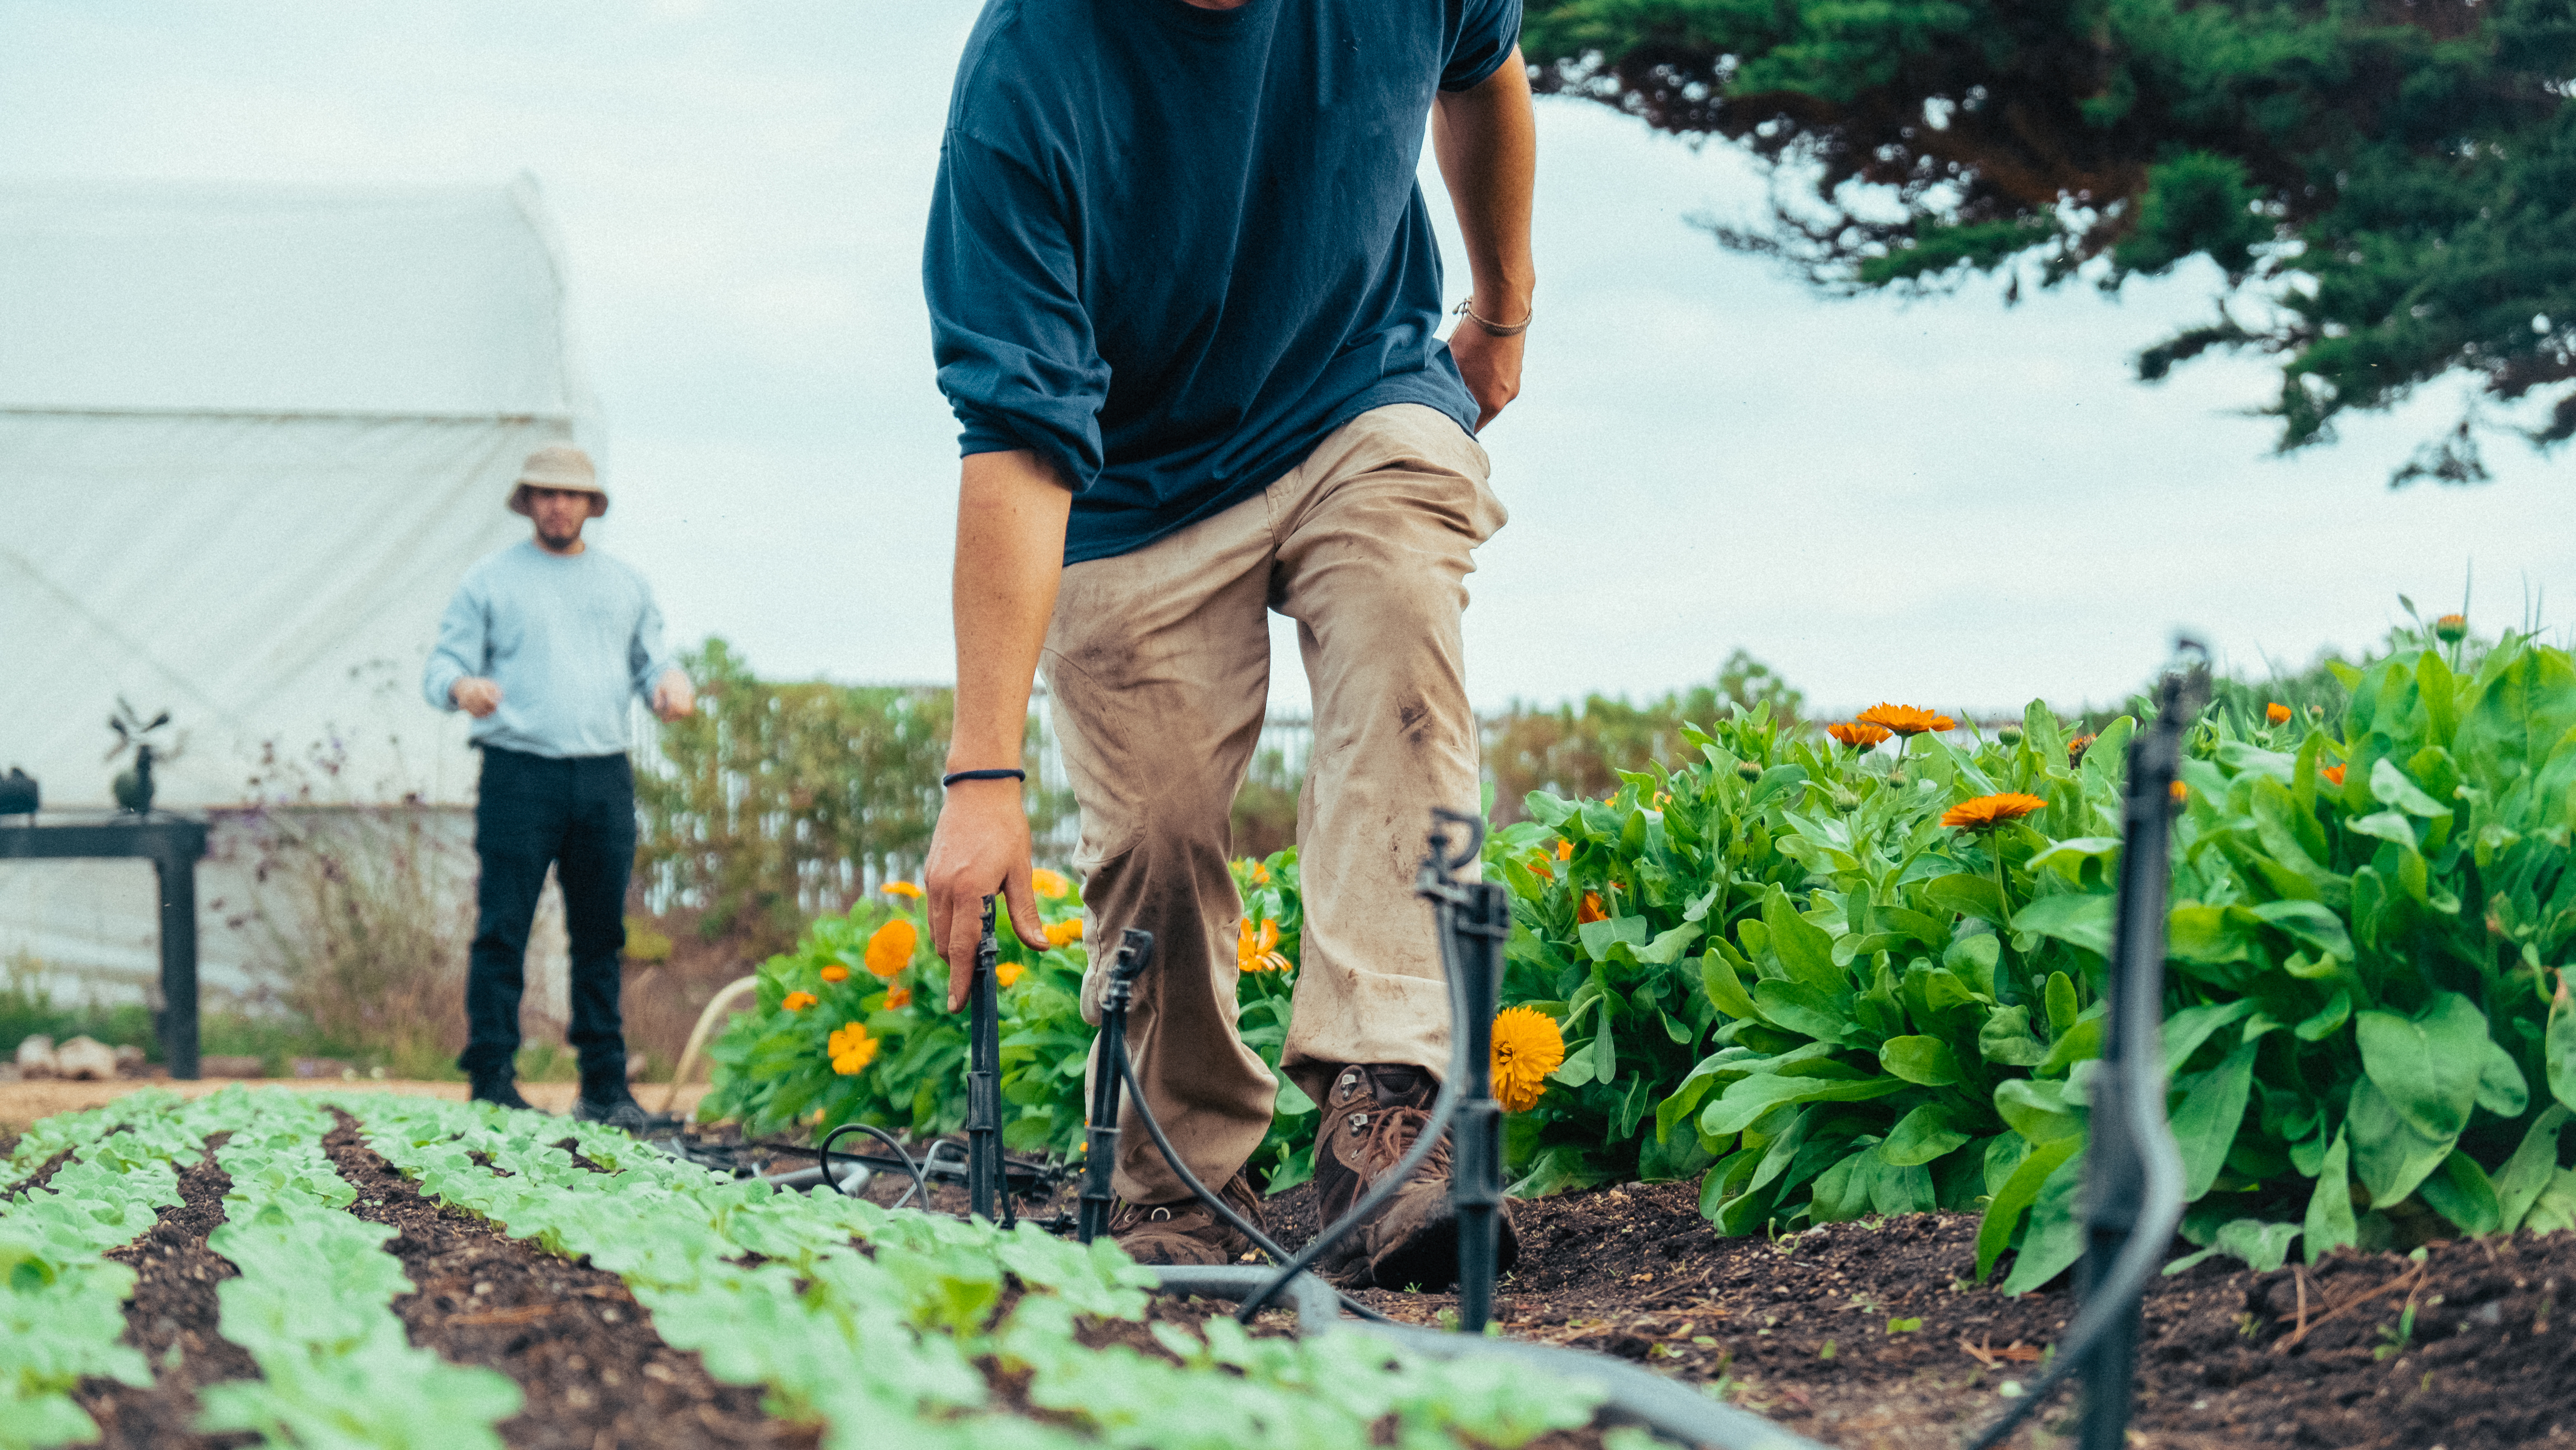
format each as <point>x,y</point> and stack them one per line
<point>1184,295</point>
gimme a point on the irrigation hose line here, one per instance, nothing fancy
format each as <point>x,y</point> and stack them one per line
<point>882,1136</point>
<point>1224,1210</point>
<point>717,1004</point>
<point>1443,1108</point>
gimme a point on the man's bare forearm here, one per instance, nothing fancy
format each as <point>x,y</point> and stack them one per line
<point>1011,511</point>
<point>1486,139</point>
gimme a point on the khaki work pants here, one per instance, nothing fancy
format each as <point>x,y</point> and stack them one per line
<point>1158,663</point>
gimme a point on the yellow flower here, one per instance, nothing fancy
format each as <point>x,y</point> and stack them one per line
<point>1253,947</point>
<point>1067,930</point>
<point>1527,1047</point>
<point>890,950</point>
<point>1989,811</point>
<point>1006,973</point>
<point>1904,719</point>
<point>835,972</point>
<point>1048,884</point>
<point>799,1001</point>
<point>901,888</point>
<point>852,1049</point>
<point>898,998</point>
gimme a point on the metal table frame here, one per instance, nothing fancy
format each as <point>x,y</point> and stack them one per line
<point>174,845</point>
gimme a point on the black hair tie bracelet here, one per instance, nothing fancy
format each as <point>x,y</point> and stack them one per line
<point>999,773</point>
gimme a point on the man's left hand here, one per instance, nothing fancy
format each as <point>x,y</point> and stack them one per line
<point>1491,365</point>
<point>673,699</point>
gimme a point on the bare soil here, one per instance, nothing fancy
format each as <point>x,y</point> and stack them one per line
<point>1820,1330</point>
<point>171,1318</point>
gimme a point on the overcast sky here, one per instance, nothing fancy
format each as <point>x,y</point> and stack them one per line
<point>1950,503</point>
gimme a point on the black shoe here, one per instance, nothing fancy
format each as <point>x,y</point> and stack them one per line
<point>614,1106</point>
<point>503,1091</point>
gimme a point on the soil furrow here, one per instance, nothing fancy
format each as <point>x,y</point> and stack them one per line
<point>585,1354</point>
<point>39,1178</point>
<point>174,1308</point>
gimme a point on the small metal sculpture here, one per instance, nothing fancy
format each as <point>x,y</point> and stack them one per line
<point>134,787</point>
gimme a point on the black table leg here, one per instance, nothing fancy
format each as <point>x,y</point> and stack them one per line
<point>178,1024</point>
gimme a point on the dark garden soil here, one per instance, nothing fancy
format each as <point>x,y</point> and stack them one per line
<point>1802,1328</point>
<point>580,1348</point>
<point>171,1319</point>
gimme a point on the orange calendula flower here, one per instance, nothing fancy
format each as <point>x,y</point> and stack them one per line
<point>1905,719</point>
<point>2181,792</point>
<point>1260,874</point>
<point>1007,973</point>
<point>1067,930</point>
<point>852,1049</point>
<point>1527,1047</point>
<point>1539,868</point>
<point>835,972</point>
<point>2075,749</point>
<point>799,1001</point>
<point>901,888</point>
<point>1048,884</point>
<point>1857,735</point>
<point>2277,713</point>
<point>1253,948</point>
<point>890,950</point>
<point>2333,774</point>
<point>1988,811</point>
<point>898,998</point>
<point>1564,849</point>
<point>1590,910</point>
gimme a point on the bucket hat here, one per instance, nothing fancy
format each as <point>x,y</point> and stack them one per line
<point>558,465</point>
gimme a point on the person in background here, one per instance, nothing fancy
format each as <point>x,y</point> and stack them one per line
<point>542,645</point>
<point>1184,298</point>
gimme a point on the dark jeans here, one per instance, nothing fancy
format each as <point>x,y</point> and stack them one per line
<point>578,816</point>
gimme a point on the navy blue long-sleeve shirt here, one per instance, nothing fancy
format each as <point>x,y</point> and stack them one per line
<point>1173,248</point>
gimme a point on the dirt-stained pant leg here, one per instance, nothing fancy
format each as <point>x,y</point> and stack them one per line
<point>1376,533</point>
<point>1158,665</point>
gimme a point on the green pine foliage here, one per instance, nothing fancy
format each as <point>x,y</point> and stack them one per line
<point>2386,186</point>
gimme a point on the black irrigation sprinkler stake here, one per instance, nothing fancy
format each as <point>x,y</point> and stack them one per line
<point>986,1194</point>
<point>1100,1142</point>
<point>2132,1194</point>
<point>1474,919</point>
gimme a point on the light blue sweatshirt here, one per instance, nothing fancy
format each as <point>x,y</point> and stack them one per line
<point>567,639</point>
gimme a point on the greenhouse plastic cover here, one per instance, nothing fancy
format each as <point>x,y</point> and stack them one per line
<point>250,438</point>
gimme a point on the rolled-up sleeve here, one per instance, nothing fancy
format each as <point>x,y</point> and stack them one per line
<point>1487,31</point>
<point>1012,341</point>
<point>647,660</point>
<point>462,648</point>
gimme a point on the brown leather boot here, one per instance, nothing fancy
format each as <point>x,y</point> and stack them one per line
<point>1372,1115</point>
<point>1186,1231</point>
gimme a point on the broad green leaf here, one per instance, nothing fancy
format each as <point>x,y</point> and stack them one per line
<point>1974,958</point>
<point>1667,947</point>
<point>1717,976</point>
<point>2429,1065</point>
<point>2067,857</point>
<point>2187,1029</point>
<point>2079,1043</point>
<point>2386,825</point>
<point>2006,1038</point>
<point>2309,922</point>
<point>2462,1193</point>
<point>2529,1170</point>
<point>1968,895</point>
<point>2055,1239</point>
<point>1921,1136</point>
<point>2326,1020</point>
<point>1802,1008</point>
<point>2330,1224</point>
<point>2392,788</point>
<point>2263,1246</point>
<point>2501,1089</point>
<point>1597,936</point>
<point>1924,1060</point>
<point>2205,1125</point>
<point>1804,949</point>
<point>2558,1047</point>
<point>2083,921</point>
<point>2209,935</point>
<point>1750,1098</point>
<point>2060,997</point>
<point>2037,1110</point>
<point>2389,1154</point>
<point>2005,1208</point>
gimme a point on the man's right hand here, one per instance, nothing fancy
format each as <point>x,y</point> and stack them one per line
<point>980,848</point>
<point>476,696</point>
